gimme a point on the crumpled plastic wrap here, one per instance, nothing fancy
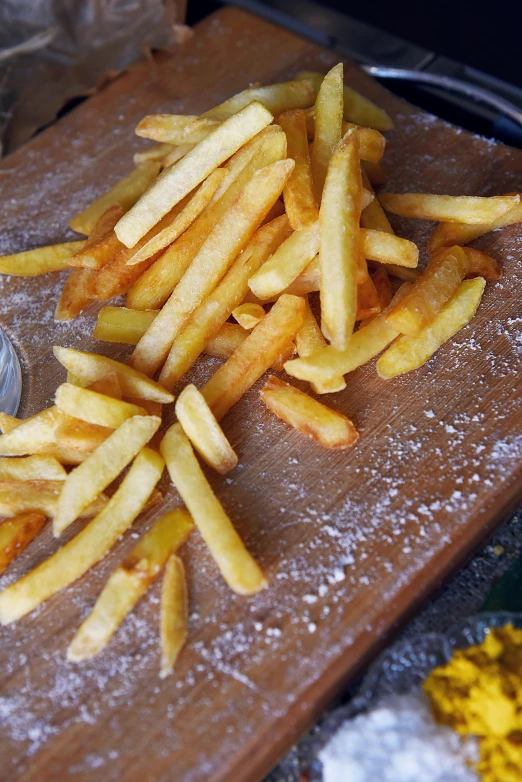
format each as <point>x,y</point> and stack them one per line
<point>52,51</point>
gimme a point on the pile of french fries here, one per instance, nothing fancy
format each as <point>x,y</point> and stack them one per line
<point>221,238</point>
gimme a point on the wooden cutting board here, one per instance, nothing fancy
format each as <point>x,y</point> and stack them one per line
<point>351,543</point>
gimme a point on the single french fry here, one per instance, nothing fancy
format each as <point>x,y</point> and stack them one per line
<point>449,234</point>
<point>365,344</point>
<point>411,352</point>
<point>308,416</point>
<point>373,216</point>
<point>255,355</point>
<point>170,128</point>
<point>91,367</point>
<point>125,193</point>
<point>129,582</point>
<point>155,286</point>
<point>301,206</point>
<point>156,152</point>
<point>79,436</point>
<point>275,97</point>
<point>38,467</point>
<point>41,260</point>
<point>368,301</point>
<point>439,280</point>
<point>287,263</point>
<point>480,264</point>
<point>88,546</point>
<point>16,534</point>
<point>206,323</point>
<point>32,435</point>
<point>8,423</point>
<point>93,407</point>
<point>203,431</point>
<point>108,385</point>
<point>179,151</point>
<point>102,244</point>
<point>308,339</point>
<point>328,125</point>
<point>388,248</point>
<point>356,107</point>
<point>21,496</point>
<point>214,259</point>
<point>174,614</point>
<point>339,248</point>
<point>76,294</point>
<point>120,324</point>
<point>248,315</point>
<point>102,467</point>
<point>371,142</point>
<point>190,171</point>
<point>382,282</point>
<point>451,209</point>
<point>308,281</point>
<point>237,566</point>
<point>229,337</point>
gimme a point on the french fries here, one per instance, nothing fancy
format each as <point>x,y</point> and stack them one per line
<point>87,547</point>
<point>108,385</point>
<point>170,128</point>
<point>430,291</point>
<point>451,209</point>
<point>103,244</point>
<point>93,407</point>
<point>389,249</point>
<point>129,582</point>
<point>32,468</point>
<point>20,496</point>
<point>382,283</point>
<point>480,264</point>
<point>125,193</point>
<point>215,257</point>
<point>78,436</point>
<point>339,249</point>
<point>102,467</point>
<point>30,263</point>
<point>255,355</point>
<point>368,301</point>
<point>190,171</point>
<point>448,234</point>
<point>31,436</point>
<point>371,142</point>
<point>310,417</point>
<point>156,152</point>
<point>328,125</point>
<point>76,294</point>
<point>174,614</point>
<point>203,431</point>
<point>8,423</point>
<point>17,533</point>
<point>308,339</point>
<point>287,263</point>
<point>300,204</point>
<point>275,97</point>
<point>237,566</point>
<point>373,214</point>
<point>229,337</point>
<point>248,315</point>
<point>411,352</point>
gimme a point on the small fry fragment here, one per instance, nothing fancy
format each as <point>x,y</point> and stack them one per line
<point>287,262</point>
<point>255,355</point>
<point>129,582</point>
<point>237,566</point>
<point>248,315</point>
<point>382,282</point>
<point>310,338</point>
<point>30,263</point>
<point>16,534</point>
<point>328,125</point>
<point>411,352</point>
<point>39,467</point>
<point>174,614</point>
<point>327,427</point>
<point>203,431</point>
<point>300,204</point>
<point>368,301</point>
<point>93,407</point>
<point>87,547</point>
<point>451,209</point>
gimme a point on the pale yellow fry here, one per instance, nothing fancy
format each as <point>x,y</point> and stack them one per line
<point>450,209</point>
<point>174,614</point>
<point>255,355</point>
<point>8,423</point>
<point>129,582</point>
<point>328,125</point>
<point>32,468</point>
<point>287,263</point>
<point>17,533</point>
<point>229,337</point>
<point>179,151</point>
<point>411,352</point>
<point>275,97</point>
<point>387,248</point>
<point>102,467</point>
<point>339,216</point>
<point>301,206</point>
<point>93,407</point>
<point>91,367</point>
<point>448,234</point>
<point>237,566</point>
<point>217,254</point>
<point>125,193</point>
<point>328,363</point>
<point>41,260</point>
<point>108,385</point>
<point>248,315</point>
<point>171,128</point>
<point>31,435</point>
<point>308,339</point>
<point>88,546</point>
<point>157,152</point>
<point>203,431</point>
<point>190,171</point>
<point>181,221</point>
<point>373,214</point>
<point>20,496</point>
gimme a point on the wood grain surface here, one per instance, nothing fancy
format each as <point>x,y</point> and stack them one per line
<point>350,542</point>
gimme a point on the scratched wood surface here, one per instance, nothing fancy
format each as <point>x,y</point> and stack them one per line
<point>351,543</point>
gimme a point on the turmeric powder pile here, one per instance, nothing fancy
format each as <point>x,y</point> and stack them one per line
<point>479,693</point>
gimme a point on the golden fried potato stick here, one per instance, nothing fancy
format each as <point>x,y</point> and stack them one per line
<point>451,209</point>
<point>174,614</point>
<point>248,315</point>
<point>411,352</point>
<point>287,263</point>
<point>39,467</point>
<point>328,125</point>
<point>339,216</point>
<point>371,142</point>
<point>190,171</point>
<point>156,152</point>
<point>21,496</point>
<point>308,416</point>
<point>102,245</point>
<point>108,385</point>
<point>310,338</point>
<point>237,566</point>
<point>368,301</point>
<point>480,264</point>
<point>255,355</point>
<point>215,257</point>
<point>17,533</point>
<point>373,216</point>
<point>387,248</point>
<point>175,128</point>
<point>8,423</point>
<point>125,193</point>
<point>203,431</point>
<point>276,98</point>
<point>93,407</point>
<point>87,547</point>
<point>129,582</point>
<point>32,435</point>
<point>300,204</point>
<point>30,263</point>
<point>448,234</point>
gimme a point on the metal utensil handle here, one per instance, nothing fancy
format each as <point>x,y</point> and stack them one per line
<point>451,85</point>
